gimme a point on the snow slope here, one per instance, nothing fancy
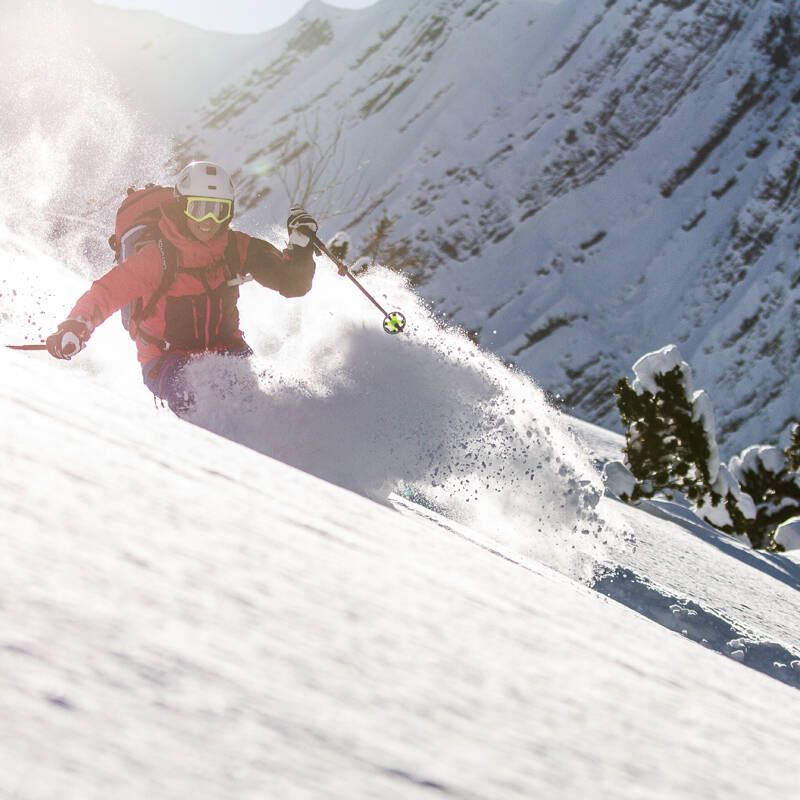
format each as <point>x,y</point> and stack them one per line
<point>185,615</point>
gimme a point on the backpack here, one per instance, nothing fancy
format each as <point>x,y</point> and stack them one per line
<point>136,224</point>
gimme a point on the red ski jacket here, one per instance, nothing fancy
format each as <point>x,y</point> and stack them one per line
<point>198,312</point>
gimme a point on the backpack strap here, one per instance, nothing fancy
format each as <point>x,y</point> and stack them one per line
<point>169,266</point>
<point>233,263</point>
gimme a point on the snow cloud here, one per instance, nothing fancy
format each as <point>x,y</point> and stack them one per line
<point>331,394</point>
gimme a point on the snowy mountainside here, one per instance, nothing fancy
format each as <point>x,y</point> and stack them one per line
<point>183,615</point>
<point>576,184</point>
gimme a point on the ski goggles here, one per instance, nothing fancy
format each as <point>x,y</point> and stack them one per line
<point>200,209</point>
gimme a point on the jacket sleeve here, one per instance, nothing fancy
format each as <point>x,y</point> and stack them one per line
<point>138,276</point>
<point>290,273</point>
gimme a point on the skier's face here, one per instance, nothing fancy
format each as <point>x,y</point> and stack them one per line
<point>206,230</point>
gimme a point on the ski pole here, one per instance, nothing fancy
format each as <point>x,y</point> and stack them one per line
<point>41,346</point>
<point>393,321</point>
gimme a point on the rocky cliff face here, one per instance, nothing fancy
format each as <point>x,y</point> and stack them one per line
<point>574,184</point>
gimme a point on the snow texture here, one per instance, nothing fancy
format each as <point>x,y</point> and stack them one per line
<point>788,534</point>
<point>185,616</point>
<point>724,485</point>
<point>756,458</point>
<point>660,362</point>
<point>618,479</point>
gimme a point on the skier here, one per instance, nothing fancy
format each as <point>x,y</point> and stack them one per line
<point>186,270</point>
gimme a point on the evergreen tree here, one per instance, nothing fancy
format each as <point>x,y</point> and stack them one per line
<point>646,453</point>
<point>767,475</point>
<point>727,507</point>
<point>793,450</point>
<point>665,447</point>
<point>670,445</point>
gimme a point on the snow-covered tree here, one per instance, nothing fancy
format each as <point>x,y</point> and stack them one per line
<point>767,476</point>
<point>793,450</point>
<point>670,441</point>
<point>667,446</point>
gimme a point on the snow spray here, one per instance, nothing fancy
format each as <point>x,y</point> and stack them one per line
<point>70,145</point>
<point>428,412</point>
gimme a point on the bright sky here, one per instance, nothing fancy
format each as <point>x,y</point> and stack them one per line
<point>233,16</point>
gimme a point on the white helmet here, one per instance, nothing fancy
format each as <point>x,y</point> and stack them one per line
<point>204,179</point>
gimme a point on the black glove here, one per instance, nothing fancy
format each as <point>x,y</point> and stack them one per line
<point>68,340</point>
<point>301,226</point>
